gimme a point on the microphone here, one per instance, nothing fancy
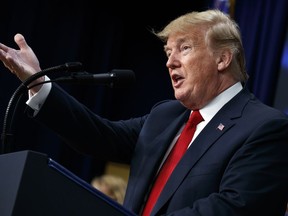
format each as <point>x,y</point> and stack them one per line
<point>7,134</point>
<point>115,79</point>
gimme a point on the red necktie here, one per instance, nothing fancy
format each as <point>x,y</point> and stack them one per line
<point>174,157</point>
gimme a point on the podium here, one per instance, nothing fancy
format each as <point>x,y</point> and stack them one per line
<point>35,185</point>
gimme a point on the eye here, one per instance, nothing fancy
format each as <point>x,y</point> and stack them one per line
<point>168,53</point>
<point>185,47</point>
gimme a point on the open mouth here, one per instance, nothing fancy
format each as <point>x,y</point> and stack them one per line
<point>177,80</point>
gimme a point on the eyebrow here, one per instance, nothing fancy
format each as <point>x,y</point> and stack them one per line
<point>178,41</point>
<point>165,48</point>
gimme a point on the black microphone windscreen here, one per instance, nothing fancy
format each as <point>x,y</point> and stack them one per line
<point>122,78</point>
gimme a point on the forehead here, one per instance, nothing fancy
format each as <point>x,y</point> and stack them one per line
<point>193,36</point>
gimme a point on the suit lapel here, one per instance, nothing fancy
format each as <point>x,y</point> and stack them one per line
<point>152,159</point>
<point>217,127</point>
<point>199,147</point>
<point>162,142</point>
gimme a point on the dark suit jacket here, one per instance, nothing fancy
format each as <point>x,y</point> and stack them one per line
<point>241,169</point>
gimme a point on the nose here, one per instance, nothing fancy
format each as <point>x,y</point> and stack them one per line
<point>172,62</point>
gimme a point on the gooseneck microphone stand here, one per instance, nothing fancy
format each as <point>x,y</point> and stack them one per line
<point>11,110</point>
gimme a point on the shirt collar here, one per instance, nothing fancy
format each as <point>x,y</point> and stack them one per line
<point>218,102</point>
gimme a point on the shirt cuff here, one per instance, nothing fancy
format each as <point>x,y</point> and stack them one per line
<point>37,100</point>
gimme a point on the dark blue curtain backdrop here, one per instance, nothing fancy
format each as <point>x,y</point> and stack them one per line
<point>263,25</point>
<point>281,98</point>
<point>104,36</point>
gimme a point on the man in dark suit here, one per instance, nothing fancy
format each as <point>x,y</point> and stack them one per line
<point>237,161</point>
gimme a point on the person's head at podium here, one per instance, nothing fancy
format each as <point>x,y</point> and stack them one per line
<point>112,185</point>
<point>236,163</point>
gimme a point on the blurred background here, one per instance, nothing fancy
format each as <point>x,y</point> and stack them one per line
<point>106,35</point>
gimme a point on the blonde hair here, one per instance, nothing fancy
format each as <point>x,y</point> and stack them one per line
<point>221,32</point>
<point>111,185</point>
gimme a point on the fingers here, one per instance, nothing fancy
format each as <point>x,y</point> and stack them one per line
<point>4,54</point>
<point>7,61</point>
<point>6,58</point>
<point>21,62</point>
<point>3,47</point>
<point>9,55</point>
<point>20,41</point>
<point>3,51</point>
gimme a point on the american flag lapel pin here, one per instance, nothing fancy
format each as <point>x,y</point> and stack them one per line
<point>220,127</point>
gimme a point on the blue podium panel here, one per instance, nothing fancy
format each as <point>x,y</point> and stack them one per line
<point>35,185</point>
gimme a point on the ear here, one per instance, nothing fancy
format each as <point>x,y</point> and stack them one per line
<point>224,59</point>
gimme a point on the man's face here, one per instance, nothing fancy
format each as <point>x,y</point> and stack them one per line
<point>192,68</point>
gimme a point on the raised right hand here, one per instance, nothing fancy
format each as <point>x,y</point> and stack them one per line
<point>23,62</point>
